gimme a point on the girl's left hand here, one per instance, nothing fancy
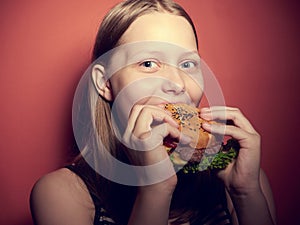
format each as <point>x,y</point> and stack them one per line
<point>242,175</point>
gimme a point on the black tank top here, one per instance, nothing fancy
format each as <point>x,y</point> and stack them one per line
<point>218,216</point>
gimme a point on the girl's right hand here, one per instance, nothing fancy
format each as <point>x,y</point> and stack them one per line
<point>147,126</point>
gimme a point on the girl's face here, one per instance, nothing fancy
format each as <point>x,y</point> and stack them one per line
<point>159,63</point>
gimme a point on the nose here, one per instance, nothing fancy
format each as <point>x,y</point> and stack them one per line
<point>174,83</point>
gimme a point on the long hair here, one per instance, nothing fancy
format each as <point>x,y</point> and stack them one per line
<point>118,199</point>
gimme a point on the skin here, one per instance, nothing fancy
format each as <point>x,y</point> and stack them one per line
<point>58,198</point>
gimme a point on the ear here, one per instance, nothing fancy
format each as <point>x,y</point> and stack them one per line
<point>101,84</point>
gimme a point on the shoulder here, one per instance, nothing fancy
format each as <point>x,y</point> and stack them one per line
<point>61,197</point>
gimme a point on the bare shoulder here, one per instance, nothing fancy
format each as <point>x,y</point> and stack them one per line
<point>61,197</point>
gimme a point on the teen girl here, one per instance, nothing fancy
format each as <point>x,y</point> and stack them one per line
<point>79,195</point>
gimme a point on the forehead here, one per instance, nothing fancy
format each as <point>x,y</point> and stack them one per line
<point>163,27</point>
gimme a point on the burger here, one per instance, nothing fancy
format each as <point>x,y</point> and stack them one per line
<point>205,150</point>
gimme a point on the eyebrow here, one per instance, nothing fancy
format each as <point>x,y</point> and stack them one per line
<point>191,53</point>
<point>143,51</point>
<point>185,54</point>
<point>132,56</point>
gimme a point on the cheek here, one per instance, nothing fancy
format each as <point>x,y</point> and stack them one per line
<point>195,90</point>
<point>115,88</point>
<point>196,96</point>
<point>128,87</point>
<point>118,82</point>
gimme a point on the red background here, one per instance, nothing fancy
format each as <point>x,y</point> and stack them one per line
<point>45,46</point>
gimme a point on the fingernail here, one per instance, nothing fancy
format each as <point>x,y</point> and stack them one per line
<point>208,125</point>
<point>206,116</point>
<point>205,109</point>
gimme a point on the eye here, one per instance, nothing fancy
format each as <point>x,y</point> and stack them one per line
<point>149,66</point>
<point>187,65</point>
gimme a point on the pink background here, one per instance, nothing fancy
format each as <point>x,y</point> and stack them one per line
<point>252,47</point>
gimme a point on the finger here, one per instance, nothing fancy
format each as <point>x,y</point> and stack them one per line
<point>227,113</point>
<point>233,131</point>
<point>217,108</point>
<point>164,130</point>
<point>147,118</point>
<point>245,138</point>
<point>142,120</point>
<point>131,122</point>
<point>154,138</point>
<point>135,111</point>
<point>150,117</point>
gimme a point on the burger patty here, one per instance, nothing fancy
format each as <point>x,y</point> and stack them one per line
<point>191,155</point>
